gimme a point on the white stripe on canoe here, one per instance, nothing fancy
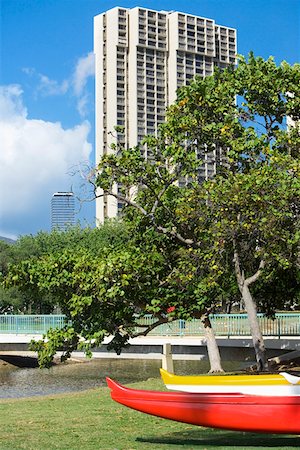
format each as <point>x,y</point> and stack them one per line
<point>269,390</point>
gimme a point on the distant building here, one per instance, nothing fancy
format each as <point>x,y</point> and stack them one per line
<point>142,57</point>
<point>62,210</point>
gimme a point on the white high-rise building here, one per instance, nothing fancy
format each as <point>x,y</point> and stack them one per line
<point>142,56</point>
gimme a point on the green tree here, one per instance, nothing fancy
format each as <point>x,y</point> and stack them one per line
<point>11,300</point>
<point>33,247</point>
<point>108,293</point>
<point>104,294</point>
<point>244,223</point>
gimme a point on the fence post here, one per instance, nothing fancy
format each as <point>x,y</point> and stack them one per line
<point>167,361</point>
<point>181,327</point>
<point>227,319</point>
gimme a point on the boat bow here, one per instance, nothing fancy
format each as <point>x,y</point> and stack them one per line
<point>261,414</point>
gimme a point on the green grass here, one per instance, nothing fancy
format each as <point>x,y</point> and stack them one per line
<point>90,420</point>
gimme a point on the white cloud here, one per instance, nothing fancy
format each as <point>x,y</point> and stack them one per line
<point>46,86</point>
<point>76,83</point>
<point>35,158</point>
<point>84,69</point>
<point>11,105</point>
<point>52,87</point>
<point>82,105</point>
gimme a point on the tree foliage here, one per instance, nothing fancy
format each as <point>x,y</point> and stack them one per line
<point>32,247</point>
<point>243,224</point>
<point>107,293</point>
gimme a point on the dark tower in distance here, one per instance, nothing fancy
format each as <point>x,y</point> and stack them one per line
<point>62,210</point>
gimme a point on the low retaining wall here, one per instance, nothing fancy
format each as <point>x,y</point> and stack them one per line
<point>181,347</point>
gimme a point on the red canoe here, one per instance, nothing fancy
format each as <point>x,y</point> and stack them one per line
<point>240,412</point>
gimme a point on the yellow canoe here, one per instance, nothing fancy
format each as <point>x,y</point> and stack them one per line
<point>263,384</point>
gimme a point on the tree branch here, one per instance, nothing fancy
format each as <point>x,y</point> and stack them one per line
<point>160,321</point>
<point>173,232</point>
<point>161,193</point>
<point>255,277</point>
<point>237,266</point>
<point>125,200</point>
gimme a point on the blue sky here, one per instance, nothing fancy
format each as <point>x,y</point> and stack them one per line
<point>47,91</point>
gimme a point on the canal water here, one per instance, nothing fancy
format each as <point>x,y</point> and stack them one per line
<point>16,382</point>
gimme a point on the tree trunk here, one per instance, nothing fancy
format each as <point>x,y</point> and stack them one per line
<point>212,346</point>
<point>258,341</point>
<point>243,284</point>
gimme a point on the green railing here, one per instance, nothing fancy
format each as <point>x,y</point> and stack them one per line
<point>30,324</point>
<point>229,325</point>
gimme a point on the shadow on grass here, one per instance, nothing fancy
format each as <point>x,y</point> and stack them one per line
<point>20,361</point>
<point>222,438</point>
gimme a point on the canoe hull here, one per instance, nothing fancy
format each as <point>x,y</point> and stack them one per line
<point>227,411</point>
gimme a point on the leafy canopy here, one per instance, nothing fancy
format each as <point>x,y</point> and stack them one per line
<point>244,222</point>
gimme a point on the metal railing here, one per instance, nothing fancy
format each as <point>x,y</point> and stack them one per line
<point>284,324</point>
<point>229,325</point>
<point>30,324</point>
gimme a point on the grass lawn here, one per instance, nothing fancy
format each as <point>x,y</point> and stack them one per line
<point>91,420</point>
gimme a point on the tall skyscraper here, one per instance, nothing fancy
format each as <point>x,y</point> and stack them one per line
<point>142,56</point>
<point>62,210</point>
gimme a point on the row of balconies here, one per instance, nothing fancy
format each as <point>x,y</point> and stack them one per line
<point>225,39</point>
<point>196,49</point>
<point>194,19</point>
<point>152,30</point>
<point>225,31</point>
<point>151,86</point>
<point>142,94</point>
<point>144,37</point>
<point>196,28</point>
<point>151,25</point>
<point>196,40</point>
<point>191,69</point>
<point>152,15</point>
<point>187,58</point>
<point>155,109</point>
<point>191,34</point>
<point>159,62</point>
<point>199,69</point>
<point>151,43</point>
<point>225,45</point>
<point>142,101</point>
<point>143,28</point>
<point>185,79</point>
<point>225,58</point>
<point>150,59</point>
<point>147,116</point>
<point>152,74</point>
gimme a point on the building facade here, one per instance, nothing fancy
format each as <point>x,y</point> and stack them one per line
<point>62,210</point>
<point>142,57</point>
